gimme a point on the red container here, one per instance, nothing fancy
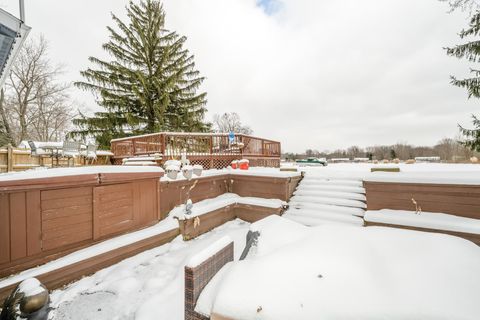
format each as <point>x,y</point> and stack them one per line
<point>234,164</point>
<point>243,164</point>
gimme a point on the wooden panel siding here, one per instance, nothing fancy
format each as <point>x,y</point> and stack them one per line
<point>113,207</point>
<point>4,228</point>
<point>34,222</point>
<point>173,193</point>
<point>44,219</point>
<point>460,200</point>
<point>66,216</point>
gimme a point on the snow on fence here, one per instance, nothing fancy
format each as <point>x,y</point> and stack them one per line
<point>18,159</point>
<point>211,150</point>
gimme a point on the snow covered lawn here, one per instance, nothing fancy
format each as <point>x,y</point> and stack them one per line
<point>346,272</point>
<point>147,286</point>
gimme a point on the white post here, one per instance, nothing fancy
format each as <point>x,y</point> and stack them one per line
<point>22,10</point>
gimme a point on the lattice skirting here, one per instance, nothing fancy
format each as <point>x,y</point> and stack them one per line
<point>223,161</point>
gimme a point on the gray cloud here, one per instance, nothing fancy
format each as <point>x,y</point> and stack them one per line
<point>318,74</point>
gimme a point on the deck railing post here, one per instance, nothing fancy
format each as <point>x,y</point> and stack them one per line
<point>162,141</point>
<point>9,158</point>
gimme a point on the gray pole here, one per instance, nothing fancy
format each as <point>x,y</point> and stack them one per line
<point>22,10</point>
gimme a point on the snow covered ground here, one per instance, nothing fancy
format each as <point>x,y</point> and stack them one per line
<point>147,286</point>
<point>150,285</point>
<point>345,272</point>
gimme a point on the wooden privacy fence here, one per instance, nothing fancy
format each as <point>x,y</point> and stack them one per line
<point>16,159</point>
<point>211,150</point>
<point>12,159</point>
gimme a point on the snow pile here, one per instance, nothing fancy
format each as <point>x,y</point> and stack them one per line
<point>61,172</point>
<point>440,177</point>
<point>208,252</point>
<point>427,220</point>
<point>226,199</point>
<point>141,287</point>
<point>255,172</point>
<point>344,272</point>
<point>31,287</point>
<point>89,252</point>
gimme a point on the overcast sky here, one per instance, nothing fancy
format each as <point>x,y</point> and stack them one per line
<point>310,73</point>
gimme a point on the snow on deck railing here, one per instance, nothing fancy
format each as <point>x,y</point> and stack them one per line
<point>175,144</point>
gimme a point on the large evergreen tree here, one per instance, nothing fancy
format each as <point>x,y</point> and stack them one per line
<point>151,83</point>
<point>470,51</point>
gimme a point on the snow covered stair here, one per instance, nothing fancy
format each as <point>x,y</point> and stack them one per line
<point>321,199</point>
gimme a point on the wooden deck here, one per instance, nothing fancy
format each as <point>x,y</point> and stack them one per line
<point>211,150</point>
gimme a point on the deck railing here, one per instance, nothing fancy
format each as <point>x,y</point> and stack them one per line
<point>212,150</point>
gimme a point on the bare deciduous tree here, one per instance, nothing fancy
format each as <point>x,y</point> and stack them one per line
<point>36,105</point>
<point>230,122</point>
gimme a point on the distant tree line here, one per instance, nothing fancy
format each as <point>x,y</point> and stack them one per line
<point>448,149</point>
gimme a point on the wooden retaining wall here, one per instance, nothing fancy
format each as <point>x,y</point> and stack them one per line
<point>42,219</point>
<point>47,218</point>
<point>460,200</point>
<point>193,227</point>
<point>174,193</point>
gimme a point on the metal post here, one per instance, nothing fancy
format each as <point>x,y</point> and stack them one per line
<point>22,10</point>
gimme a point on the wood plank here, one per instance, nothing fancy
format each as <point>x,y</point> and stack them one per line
<point>66,212</point>
<point>4,228</point>
<point>66,193</point>
<point>66,222</point>
<point>66,230</point>
<point>108,195</point>
<point>67,202</point>
<point>147,201</point>
<point>96,212</point>
<point>113,205</point>
<point>67,239</point>
<point>126,214</point>
<point>34,223</point>
<point>18,226</point>
<point>109,230</point>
